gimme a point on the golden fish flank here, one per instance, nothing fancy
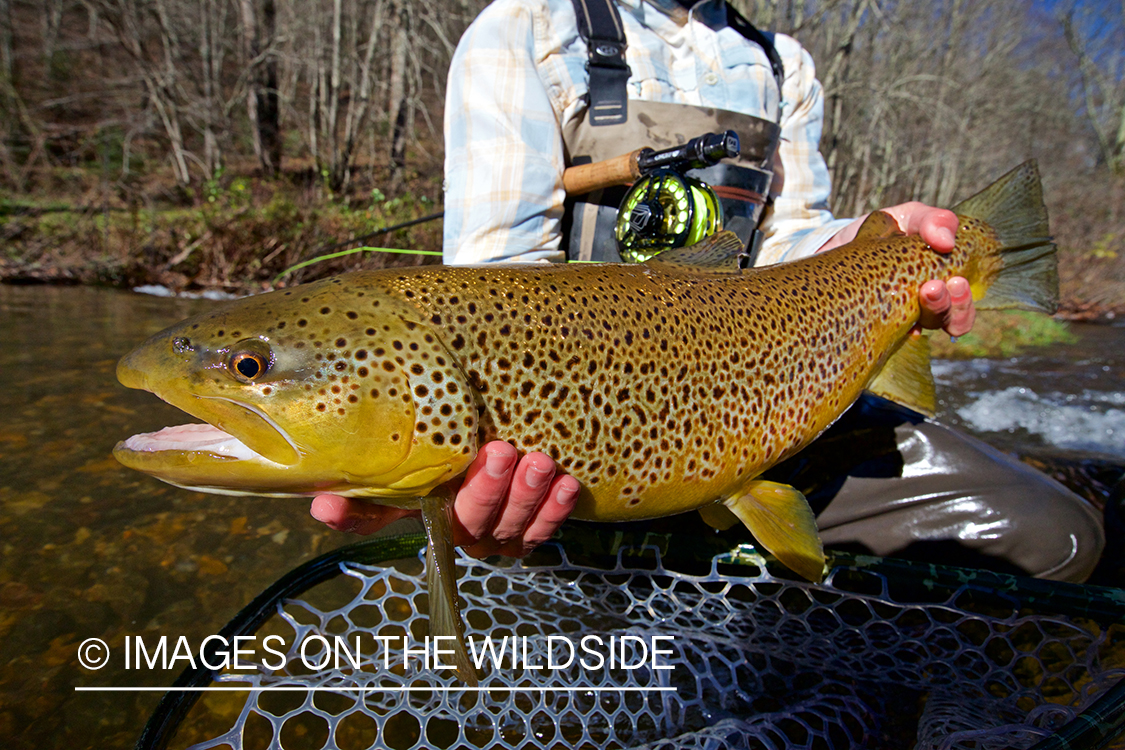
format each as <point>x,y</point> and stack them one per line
<point>662,387</point>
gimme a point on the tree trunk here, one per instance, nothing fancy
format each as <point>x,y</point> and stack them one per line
<point>269,111</point>
<point>397,104</point>
<point>250,51</point>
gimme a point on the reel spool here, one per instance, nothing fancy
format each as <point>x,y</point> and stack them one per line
<point>665,209</point>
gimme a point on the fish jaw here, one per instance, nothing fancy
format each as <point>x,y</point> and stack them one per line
<point>202,457</point>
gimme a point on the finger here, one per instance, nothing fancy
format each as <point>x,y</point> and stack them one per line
<point>557,506</point>
<point>482,495</point>
<point>938,227</point>
<point>548,517</point>
<point>530,486</point>
<point>936,301</point>
<point>962,313</point>
<point>354,516</point>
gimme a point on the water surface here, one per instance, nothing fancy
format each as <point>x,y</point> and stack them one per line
<point>91,549</point>
<point>1066,396</point>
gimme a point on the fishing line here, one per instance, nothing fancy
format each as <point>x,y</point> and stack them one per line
<point>361,238</point>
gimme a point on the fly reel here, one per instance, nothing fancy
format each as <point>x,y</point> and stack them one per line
<point>665,209</point>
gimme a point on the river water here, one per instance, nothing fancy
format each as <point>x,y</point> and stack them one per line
<point>1068,396</point>
<point>91,550</point>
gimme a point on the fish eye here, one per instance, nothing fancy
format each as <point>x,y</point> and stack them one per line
<point>249,361</point>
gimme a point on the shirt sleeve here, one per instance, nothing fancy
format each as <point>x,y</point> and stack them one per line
<point>800,221</point>
<point>504,153</point>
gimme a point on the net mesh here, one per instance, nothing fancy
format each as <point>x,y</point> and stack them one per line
<point>758,661</point>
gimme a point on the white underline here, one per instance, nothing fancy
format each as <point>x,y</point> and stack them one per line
<point>284,688</point>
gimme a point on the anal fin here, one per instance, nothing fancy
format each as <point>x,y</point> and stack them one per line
<point>441,579</point>
<point>781,520</point>
<point>718,516</point>
<point>906,377</point>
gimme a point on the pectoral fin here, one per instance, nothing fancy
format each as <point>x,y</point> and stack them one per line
<point>441,579</point>
<point>781,520</point>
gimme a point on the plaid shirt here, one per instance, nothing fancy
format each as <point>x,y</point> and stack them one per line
<point>519,72</point>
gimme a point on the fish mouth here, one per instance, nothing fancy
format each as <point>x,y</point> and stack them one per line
<point>233,431</point>
<point>206,458</point>
<point>193,438</point>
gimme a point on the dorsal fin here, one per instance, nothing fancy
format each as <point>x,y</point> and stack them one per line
<point>879,226</point>
<point>717,254</point>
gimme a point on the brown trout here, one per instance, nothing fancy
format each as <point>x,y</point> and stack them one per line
<point>663,387</point>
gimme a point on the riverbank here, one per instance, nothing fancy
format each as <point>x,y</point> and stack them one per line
<point>241,234</point>
<point>237,234</point>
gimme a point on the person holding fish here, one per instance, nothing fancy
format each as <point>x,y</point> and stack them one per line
<point>537,86</point>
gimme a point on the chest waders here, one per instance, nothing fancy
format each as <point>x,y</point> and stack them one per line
<point>612,125</point>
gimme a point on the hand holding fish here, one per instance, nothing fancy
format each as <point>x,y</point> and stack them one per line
<point>503,507</point>
<point>945,304</point>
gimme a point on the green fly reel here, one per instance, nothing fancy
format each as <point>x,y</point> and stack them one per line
<point>665,209</point>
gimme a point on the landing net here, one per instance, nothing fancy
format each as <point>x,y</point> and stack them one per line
<point>881,655</point>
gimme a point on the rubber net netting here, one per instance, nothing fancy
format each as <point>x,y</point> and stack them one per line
<point>758,662</point>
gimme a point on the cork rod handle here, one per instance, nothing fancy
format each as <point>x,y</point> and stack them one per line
<point>620,170</point>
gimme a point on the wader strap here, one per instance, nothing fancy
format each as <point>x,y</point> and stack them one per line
<point>599,25</point>
<point>750,33</point>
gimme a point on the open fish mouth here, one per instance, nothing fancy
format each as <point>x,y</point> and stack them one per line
<point>206,458</point>
<point>194,438</point>
<point>247,433</point>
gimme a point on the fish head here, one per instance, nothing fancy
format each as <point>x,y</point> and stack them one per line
<point>326,387</point>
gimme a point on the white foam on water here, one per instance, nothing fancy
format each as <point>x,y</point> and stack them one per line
<point>1087,421</point>
<point>155,290</point>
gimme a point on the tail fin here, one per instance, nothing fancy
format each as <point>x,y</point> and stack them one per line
<point>1017,270</point>
<point>1024,273</point>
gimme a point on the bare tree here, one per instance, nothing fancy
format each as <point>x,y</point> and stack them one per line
<point>145,31</point>
<point>260,60</point>
<point>1095,36</point>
